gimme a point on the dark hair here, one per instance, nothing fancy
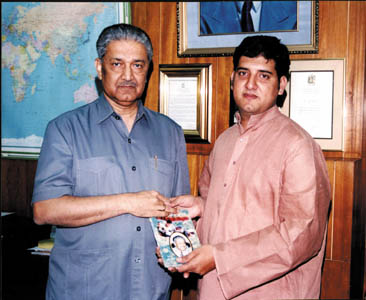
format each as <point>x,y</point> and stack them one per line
<point>123,32</point>
<point>270,48</point>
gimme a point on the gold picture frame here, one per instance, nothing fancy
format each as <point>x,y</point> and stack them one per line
<point>191,43</point>
<point>185,95</point>
<point>315,97</point>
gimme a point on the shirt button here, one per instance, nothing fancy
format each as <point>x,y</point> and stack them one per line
<point>225,184</point>
<point>137,260</point>
<point>117,117</point>
<point>138,228</point>
<point>234,162</point>
<point>133,168</point>
<point>129,141</point>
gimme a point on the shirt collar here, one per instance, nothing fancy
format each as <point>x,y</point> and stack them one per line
<point>105,110</point>
<point>257,6</point>
<point>257,120</point>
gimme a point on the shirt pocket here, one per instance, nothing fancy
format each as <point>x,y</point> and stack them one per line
<point>89,275</point>
<point>81,275</point>
<point>98,176</point>
<point>162,176</point>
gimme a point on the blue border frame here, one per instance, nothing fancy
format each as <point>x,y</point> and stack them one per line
<point>190,43</point>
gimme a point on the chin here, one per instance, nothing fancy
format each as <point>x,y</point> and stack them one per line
<point>126,101</point>
<point>126,97</point>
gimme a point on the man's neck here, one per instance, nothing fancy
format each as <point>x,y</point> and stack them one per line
<point>126,112</point>
<point>244,120</point>
<point>129,118</point>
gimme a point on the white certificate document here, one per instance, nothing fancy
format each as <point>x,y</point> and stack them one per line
<point>311,102</point>
<point>182,104</point>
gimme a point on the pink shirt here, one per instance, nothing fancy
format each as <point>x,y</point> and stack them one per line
<point>267,194</point>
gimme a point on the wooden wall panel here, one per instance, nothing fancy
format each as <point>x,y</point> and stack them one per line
<point>342,210</point>
<point>355,79</point>
<point>333,44</point>
<point>332,175</point>
<point>17,179</point>
<point>337,266</point>
<point>168,42</point>
<point>336,284</point>
<point>222,88</point>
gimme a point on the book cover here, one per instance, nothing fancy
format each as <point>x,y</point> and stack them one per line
<point>46,244</point>
<point>176,236</point>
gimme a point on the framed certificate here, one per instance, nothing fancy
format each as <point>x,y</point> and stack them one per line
<point>185,96</point>
<point>315,99</point>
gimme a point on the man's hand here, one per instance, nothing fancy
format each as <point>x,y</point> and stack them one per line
<point>193,204</point>
<point>150,204</point>
<point>200,261</point>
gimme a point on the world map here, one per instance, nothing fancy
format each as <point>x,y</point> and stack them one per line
<point>47,65</point>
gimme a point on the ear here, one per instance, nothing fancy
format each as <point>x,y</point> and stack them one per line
<point>232,80</point>
<point>98,67</point>
<point>283,84</point>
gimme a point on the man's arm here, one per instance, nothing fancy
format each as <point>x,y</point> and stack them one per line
<point>53,200</point>
<point>74,211</point>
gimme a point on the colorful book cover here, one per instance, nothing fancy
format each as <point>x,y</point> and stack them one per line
<point>176,236</point>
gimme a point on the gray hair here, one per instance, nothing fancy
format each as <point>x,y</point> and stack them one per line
<point>123,32</point>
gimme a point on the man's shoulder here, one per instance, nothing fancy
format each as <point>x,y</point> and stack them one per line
<point>75,113</point>
<point>294,128</point>
<point>291,134</point>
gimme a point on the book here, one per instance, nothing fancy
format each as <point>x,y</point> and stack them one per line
<point>44,247</point>
<point>46,244</point>
<point>176,236</point>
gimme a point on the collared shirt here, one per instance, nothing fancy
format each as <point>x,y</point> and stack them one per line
<point>89,152</point>
<point>255,12</point>
<point>267,194</point>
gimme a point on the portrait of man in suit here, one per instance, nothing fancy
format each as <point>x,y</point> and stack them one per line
<point>223,17</point>
<point>180,244</point>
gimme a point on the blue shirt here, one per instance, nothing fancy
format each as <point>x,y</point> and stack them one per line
<point>89,152</point>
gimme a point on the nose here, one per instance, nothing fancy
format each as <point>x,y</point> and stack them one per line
<point>251,82</point>
<point>127,73</point>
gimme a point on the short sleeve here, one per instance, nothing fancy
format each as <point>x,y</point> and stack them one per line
<point>54,169</point>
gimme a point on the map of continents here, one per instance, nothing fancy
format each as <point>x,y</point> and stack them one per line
<point>47,65</point>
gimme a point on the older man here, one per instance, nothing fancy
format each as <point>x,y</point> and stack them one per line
<point>104,169</point>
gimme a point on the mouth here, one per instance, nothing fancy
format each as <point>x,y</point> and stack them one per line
<point>250,96</point>
<point>125,87</point>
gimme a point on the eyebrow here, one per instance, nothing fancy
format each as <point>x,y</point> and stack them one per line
<point>136,60</point>
<point>262,71</point>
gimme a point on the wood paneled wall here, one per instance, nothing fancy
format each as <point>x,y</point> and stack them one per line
<point>341,248</point>
<point>17,180</point>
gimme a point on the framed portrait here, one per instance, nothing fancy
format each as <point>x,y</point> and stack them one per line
<point>216,28</point>
<point>315,96</point>
<point>185,96</point>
